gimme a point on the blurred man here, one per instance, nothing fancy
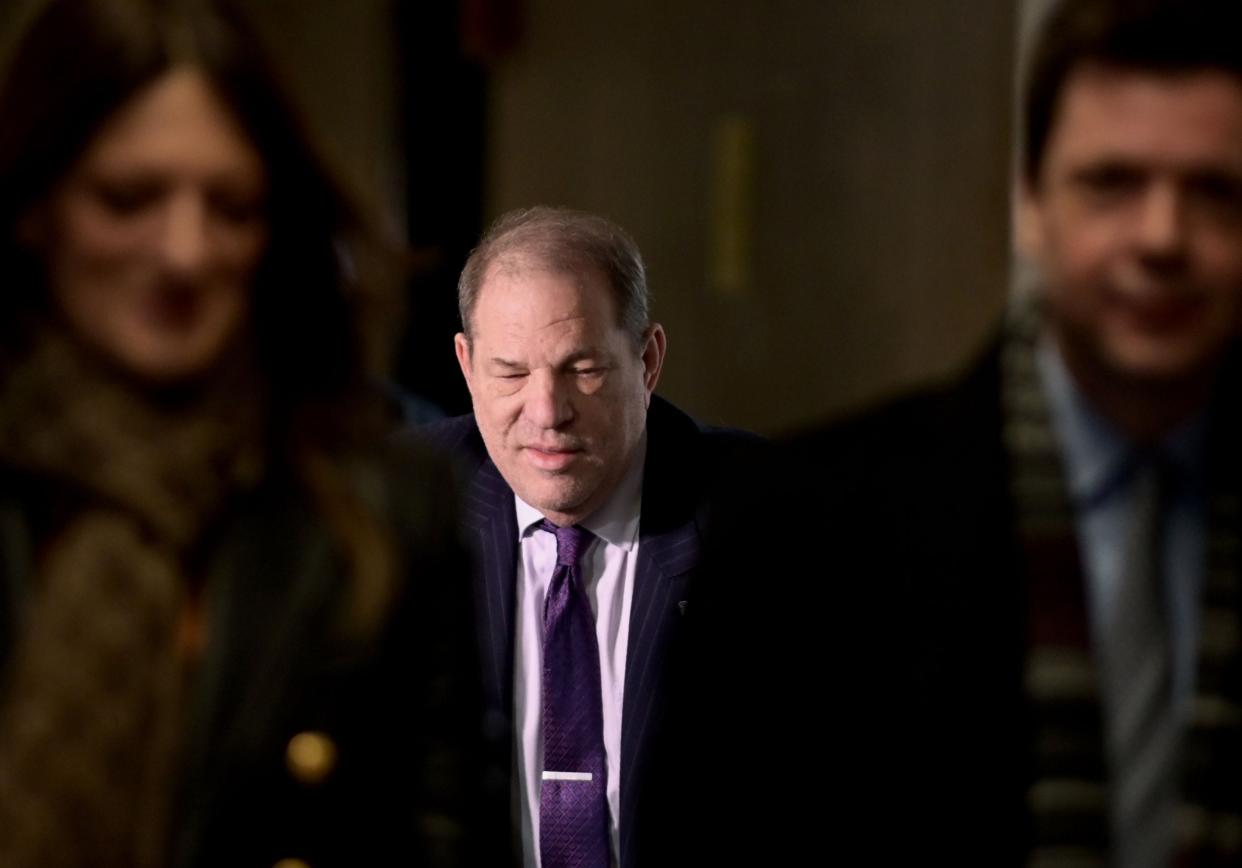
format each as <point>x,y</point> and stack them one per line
<point>584,496</point>
<point>1056,534</point>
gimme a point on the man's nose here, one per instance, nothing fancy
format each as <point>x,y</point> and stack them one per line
<point>548,402</point>
<point>1160,231</point>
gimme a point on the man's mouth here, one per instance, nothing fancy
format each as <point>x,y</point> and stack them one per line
<point>1159,310</point>
<point>552,457</point>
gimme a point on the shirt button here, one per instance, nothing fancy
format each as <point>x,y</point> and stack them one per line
<point>310,757</point>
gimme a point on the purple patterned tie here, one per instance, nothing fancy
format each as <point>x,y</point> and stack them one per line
<point>573,806</point>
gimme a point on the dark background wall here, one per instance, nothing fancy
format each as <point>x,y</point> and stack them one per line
<point>862,147</point>
<point>820,186</point>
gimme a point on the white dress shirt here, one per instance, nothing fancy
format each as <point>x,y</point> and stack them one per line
<point>608,572</point>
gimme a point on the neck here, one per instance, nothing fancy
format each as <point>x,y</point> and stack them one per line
<point>1146,410</point>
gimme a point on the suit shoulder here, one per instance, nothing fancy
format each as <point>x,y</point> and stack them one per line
<point>694,469</point>
<point>962,409</point>
<point>670,423</point>
<point>407,482</point>
<point>456,440</point>
<point>442,435</point>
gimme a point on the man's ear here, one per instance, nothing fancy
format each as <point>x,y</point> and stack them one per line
<point>654,346</point>
<point>461,344</point>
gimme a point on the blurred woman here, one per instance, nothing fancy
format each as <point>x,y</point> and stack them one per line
<point>230,632</point>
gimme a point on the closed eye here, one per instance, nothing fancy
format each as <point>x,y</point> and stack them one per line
<point>1217,190</point>
<point>127,198</point>
<point>505,369</point>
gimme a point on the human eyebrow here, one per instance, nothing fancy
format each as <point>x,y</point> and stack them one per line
<point>595,358</point>
<point>506,368</point>
<point>1108,175</point>
<point>1221,186</point>
<point>125,192</point>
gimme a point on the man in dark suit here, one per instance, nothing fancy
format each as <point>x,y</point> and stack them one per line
<point>1052,541</point>
<point>585,497</point>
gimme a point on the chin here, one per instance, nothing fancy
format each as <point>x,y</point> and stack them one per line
<point>559,500</point>
<point>1163,366</point>
<point>167,368</point>
<point>562,505</point>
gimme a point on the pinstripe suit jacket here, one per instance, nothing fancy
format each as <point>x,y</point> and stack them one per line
<point>681,481</point>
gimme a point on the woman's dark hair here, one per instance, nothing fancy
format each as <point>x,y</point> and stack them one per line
<point>77,62</point>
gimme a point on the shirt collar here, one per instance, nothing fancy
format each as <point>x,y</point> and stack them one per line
<point>1098,457</point>
<point>616,519</point>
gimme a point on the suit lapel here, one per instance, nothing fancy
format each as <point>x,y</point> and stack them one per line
<point>668,551</point>
<point>491,527</point>
<point>661,580</point>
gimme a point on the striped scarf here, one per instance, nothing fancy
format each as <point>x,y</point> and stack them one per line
<point>1068,799</point>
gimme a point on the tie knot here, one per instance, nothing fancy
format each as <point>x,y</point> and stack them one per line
<point>571,542</point>
<point>1156,474</point>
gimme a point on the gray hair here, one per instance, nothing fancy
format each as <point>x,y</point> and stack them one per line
<point>564,241</point>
